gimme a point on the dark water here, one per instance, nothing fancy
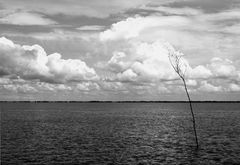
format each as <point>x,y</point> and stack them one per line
<point>119,133</point>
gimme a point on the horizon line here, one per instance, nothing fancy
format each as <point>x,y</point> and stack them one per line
<point>132,101</point>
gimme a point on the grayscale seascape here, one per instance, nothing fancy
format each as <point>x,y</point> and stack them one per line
<point>119,133</point>
<point>120,82</point>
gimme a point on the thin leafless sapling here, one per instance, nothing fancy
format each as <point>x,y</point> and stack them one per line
<point>180,68</point>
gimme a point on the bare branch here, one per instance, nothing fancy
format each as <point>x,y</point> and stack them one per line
<point>180,68</point>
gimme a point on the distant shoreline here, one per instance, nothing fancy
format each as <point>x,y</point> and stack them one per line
<point>118,101</point>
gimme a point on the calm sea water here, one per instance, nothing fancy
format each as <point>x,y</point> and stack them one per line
<point>119,133</point>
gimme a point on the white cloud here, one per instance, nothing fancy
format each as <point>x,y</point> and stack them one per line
<point>190,82</point>
<point>126,29</point>
<point>200,72</point>
<point>150,62</point>
<point>63,87</point>
<point>207,87</point>
<point>91,28</point>
<point>223,67</point>
<point>118,62</point>
<point>46,86</point>
<point>112,86</point>
<point>133,26</point>
<point>25,18</point>
<point>23,88</point>
<point>135,60</point>
<point>199,36</point>
<point>127,75</point>
<point>43,86</point>
<point>4,81</point>
<point>87,86</point>
<point>234,87</point>
<point>32,62</point>
<point>163,89</point>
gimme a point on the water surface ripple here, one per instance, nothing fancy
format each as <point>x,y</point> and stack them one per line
<point>119,133</point>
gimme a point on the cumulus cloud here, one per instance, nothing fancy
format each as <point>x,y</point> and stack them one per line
<point>163,89</point>
<point>32,62</point>
<point>132,55</point>
<point>52,87</point>
<point>190,82</point>
<point>223,67</point>
<point>133,26</point>
<point>87,86</point>
<point>145,58</point>
<point>234,87</point>
<point>200,36</point>
<point>113,86</point>
<point>25,18</point>
<point>200,71</point>
<point>4,81</point>
<point>207,87</point>
<point>150,62</point>
<point>20,88</point>
<point>125,29</point>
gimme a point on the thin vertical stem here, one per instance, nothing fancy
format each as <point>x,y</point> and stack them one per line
<point>193,117</point>
<point>178,69</point>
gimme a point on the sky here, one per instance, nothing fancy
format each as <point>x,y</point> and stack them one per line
<point>119,49</point>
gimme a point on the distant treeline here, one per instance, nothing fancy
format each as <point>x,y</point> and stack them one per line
<point>118,101</point>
